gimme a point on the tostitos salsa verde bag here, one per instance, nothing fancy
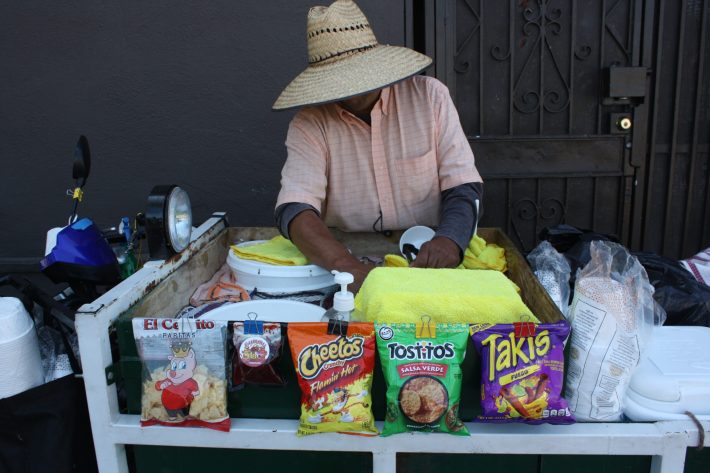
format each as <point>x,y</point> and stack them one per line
<point>422,367</point>
<point>522,368</point>
<point>334,365</point>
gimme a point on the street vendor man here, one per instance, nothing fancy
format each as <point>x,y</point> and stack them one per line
<point>374,147</point>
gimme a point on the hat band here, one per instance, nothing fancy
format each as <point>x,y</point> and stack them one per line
<point>342,53</point>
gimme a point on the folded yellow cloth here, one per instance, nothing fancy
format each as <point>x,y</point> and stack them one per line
<point>482,255</point>
<point>445,295</point>
<point>395,261</point>
<point>278,251</point>
<point>478,255</point>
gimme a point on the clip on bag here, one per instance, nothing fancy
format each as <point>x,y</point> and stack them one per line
<point>184,372</point>
<point>257,346</point>
<point>422,367</point>
<point>522,369</point>
<point>334,362</point>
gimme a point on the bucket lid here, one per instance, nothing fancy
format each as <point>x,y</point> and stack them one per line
<point>275,310</point>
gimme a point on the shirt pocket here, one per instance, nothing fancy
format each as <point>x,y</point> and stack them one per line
<point>417,178</point>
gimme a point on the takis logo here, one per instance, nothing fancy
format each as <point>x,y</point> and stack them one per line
<point>506,352</point>
<point>313,358</point>
<point>421,351</point>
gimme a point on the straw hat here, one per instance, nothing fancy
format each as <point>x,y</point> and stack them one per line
<point>345,59</point>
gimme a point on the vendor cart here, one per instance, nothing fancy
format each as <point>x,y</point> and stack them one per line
<point>264,421</point>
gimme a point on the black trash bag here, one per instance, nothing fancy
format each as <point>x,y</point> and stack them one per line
<point>685,300</point>
<point>46,429</point>
<point>563,236</point>
<point>573,243</point>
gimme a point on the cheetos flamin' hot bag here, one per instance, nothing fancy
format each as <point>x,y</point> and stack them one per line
<point>334,364</point>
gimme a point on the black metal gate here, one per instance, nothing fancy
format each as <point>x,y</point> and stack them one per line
<point>554,97</point>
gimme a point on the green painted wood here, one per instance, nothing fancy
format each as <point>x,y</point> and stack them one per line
<point>697,460</point>
<point>193,460</point>
<point>594,464</point>
<point>432,463</point>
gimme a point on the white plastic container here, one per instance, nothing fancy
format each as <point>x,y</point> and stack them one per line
<point>275,310</point>
<point>274,279</point>
<point>673,378</point>
<point>20,360</point>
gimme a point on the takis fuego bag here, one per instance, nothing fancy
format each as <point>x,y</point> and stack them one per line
<point>522,369</point>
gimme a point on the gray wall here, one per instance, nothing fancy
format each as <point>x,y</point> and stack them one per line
<point>166,91</point>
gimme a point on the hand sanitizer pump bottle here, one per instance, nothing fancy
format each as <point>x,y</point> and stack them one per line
<point>343,300</point>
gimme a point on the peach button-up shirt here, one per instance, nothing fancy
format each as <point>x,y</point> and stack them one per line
<point>413,150</point>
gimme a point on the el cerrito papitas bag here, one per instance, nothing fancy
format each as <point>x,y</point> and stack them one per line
<point>184,372</point>
<point>522,371</point>
<point>334,363</point>
<point>422,367</point>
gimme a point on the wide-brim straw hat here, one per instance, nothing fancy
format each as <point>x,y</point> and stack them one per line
<point>345,59</point>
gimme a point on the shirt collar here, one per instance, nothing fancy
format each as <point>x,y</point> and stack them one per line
<point>384,101</point>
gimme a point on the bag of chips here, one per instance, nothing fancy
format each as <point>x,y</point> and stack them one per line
<point>422,367</point>
<point>334,362</point>
<point>257,346</point>
<point>522,370</point>
<point>184,372</point>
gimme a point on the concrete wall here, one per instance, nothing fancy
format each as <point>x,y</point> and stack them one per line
<point>166,91</point>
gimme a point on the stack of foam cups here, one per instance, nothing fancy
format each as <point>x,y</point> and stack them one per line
<point>20,360</point>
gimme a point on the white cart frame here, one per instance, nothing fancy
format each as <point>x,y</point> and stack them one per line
<point>665,442</point>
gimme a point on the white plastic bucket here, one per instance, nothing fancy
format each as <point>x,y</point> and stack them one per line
<point>274,279</point>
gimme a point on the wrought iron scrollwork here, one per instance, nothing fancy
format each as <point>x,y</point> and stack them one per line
<point>549,212</point>
<point>542,21</point>
<point>462,66</point>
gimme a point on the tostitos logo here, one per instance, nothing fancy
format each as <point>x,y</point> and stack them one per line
<point>386,333</point>
<point>314,358</point>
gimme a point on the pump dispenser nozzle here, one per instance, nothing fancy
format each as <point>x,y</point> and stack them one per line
<point>343,300</point>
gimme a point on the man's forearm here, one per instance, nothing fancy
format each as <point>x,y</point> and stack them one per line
<point>310,234</point>
<point>459,214</point>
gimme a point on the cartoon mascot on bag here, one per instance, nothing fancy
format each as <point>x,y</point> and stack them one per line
<point>179,388</point>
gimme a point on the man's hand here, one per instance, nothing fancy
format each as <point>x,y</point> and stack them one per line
<point>439,252</point>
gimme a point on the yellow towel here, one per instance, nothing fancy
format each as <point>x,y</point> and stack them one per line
<point>478,255</point>
<point>278,251</point>
<point>446,295</point>
<point>395,261</point>
<point>482,255</point>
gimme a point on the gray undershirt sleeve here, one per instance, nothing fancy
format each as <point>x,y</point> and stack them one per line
<point>459,213</point>
<point>285,213</point>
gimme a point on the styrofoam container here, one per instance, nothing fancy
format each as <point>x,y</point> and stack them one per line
<point>674,377</point>
<point>14,319</point>
<point>271,310</point>
<point>415,236</point>
<point>277,279</point>
<point>20,359</point>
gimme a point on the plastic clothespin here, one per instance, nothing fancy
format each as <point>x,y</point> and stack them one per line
<point>425,329</point>
<point>78,194</point>
<point>253,326</point>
